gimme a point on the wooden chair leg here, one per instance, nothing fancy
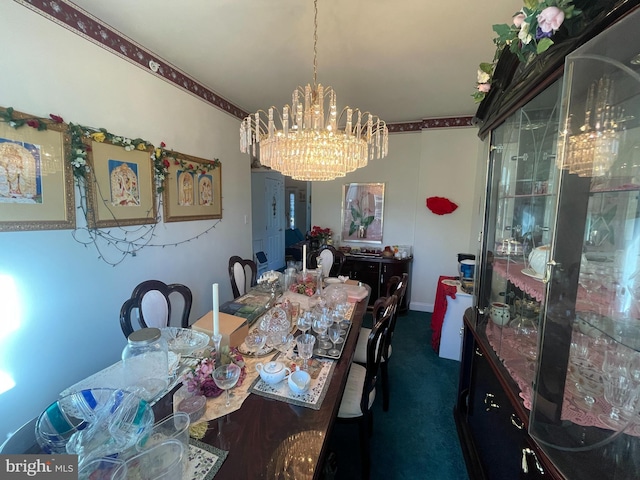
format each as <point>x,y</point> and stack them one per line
<point>385,386</point>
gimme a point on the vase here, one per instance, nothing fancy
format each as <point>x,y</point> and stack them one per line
<point>362,232</point>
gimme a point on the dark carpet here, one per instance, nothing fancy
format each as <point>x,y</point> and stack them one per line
<point>416,438</point>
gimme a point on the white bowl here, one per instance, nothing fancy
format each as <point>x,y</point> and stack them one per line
<point>299,381</point>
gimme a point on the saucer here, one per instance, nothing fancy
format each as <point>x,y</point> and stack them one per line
<point>530,272</point>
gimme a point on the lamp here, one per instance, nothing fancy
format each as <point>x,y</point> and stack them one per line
<point>307,146</point>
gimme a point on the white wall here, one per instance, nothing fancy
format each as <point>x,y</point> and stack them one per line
<point>69,299</point>
<point>434,162</point>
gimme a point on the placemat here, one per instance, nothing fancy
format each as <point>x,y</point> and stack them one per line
<point>312,398</point>
<point>204,460</point>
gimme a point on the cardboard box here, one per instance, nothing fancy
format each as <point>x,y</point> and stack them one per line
<point>233,329</point>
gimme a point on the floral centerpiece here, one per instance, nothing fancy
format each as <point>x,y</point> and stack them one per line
<point>530,34</point>
<point>199,378</point>
<point>320,235</point>
<point>306,284</point>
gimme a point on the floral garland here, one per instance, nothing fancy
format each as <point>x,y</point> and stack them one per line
<point>199,378</point>
<point>163,158</point>
<point>529,35</point>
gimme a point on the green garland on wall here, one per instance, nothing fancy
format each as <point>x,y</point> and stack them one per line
<point>127,241</point>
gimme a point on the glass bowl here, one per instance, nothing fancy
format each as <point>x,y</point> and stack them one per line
<point>87,420</point>
<point>184,341</point>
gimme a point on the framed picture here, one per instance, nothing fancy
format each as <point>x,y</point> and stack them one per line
<point>362,212</point>
<point>36,180</point>
<point>120,187</point>
<point>193,189</point>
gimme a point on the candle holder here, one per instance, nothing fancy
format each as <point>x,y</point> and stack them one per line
<point>217,338</point>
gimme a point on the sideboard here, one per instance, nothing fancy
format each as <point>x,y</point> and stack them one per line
<point>375,271</point>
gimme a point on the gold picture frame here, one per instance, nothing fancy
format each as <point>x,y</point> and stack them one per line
<point>193,189</point>
<point>120,186</point>
<point>36,179</point>
<point>362,212</point>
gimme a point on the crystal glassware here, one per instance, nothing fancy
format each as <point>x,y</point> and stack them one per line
<point>255,341</point>
<point>334,335</point>
<point>304,322</point>
<point>226,377</point>
<point>305,343</point>
<point>618,389</point>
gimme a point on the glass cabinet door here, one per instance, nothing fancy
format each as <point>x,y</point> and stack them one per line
<point>587,390</point>
<point>518,223</point>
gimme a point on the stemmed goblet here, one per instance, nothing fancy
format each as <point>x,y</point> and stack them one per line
<point>305,343</point>
<point>304,322</point>
<point>618,390</point>
<point>320,326</point>
<point>334,335</point>
<point>226,377</point>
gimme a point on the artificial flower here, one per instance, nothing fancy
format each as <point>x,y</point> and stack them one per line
<point>484,87</point>
<point>165,163</point>
<point>162,145</point>
<point>98,136</point>
<point>56,118</point>
<point>550,19</point>
<point>518,19</point>
<point>483,77</point>
<point>33,123</point>
<point>142,146</point>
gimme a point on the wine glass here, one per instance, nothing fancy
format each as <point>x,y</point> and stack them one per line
<point>618,390</point>
<point>226,376</point>
<point>320,326</point>
<point>334,335</point>
<point>304,322</point>
<point>305,343</point>
<point>280,341</point>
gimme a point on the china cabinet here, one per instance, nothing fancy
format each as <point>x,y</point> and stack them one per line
<point>550,376</point>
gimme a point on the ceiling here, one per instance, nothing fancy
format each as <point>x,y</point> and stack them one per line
<point>403,60</point>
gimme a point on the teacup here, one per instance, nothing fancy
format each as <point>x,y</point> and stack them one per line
<point>299,381</point>
<point>273,372</point>
<point>499,313</point>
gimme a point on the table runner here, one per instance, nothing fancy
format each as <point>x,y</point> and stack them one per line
<point>312,398</point>
<point>204,460</point>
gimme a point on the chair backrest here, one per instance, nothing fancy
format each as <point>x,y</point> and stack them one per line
<point>332,260</point>
<point>151,302</point>
<point>399,287</point>
<point>375,346</point>
<point>243,274</point>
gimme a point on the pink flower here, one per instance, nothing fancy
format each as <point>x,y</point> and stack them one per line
<point>518,19</point>
<point>484,87</point>
<point>550,19</point>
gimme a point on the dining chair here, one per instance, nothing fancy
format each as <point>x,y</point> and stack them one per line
<point>360,389</point>
<point>150,304</point>
<point>332,260</point>
<point>397,285</point>
<point>243,274</point>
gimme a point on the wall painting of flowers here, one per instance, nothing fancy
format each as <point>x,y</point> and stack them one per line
<point>362,212</point>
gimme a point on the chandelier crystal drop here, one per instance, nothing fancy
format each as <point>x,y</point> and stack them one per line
<point>310,143</point>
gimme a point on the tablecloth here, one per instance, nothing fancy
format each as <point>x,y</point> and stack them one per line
<point>440,309</point>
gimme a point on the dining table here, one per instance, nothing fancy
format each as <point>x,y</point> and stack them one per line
<point>267,438</point>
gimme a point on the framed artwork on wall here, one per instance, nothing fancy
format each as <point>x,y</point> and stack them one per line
<point>120,186</point>
<point>193,189</point>
<point>362,212</point>
<point>36,179</point>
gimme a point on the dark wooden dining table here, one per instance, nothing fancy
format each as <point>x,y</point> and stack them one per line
<point>268,439</point>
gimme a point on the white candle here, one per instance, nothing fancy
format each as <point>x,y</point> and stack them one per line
<point>216,310</point>
<point>304,257</point>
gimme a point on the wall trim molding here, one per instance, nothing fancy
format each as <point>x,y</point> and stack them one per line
<point>94,30</point>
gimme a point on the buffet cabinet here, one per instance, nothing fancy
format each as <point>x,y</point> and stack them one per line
<point>376,271</point>
<point>550,376</point>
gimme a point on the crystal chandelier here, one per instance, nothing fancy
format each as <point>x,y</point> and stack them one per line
<point>307,145</point>
<point>593,151</point>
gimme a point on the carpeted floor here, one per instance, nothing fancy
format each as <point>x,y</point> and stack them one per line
<point>416,438</point>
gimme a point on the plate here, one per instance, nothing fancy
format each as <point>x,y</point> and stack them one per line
<point>451,283</point>
<point>530,272</point>
<point>242,348</point>
<point>330,280</point>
